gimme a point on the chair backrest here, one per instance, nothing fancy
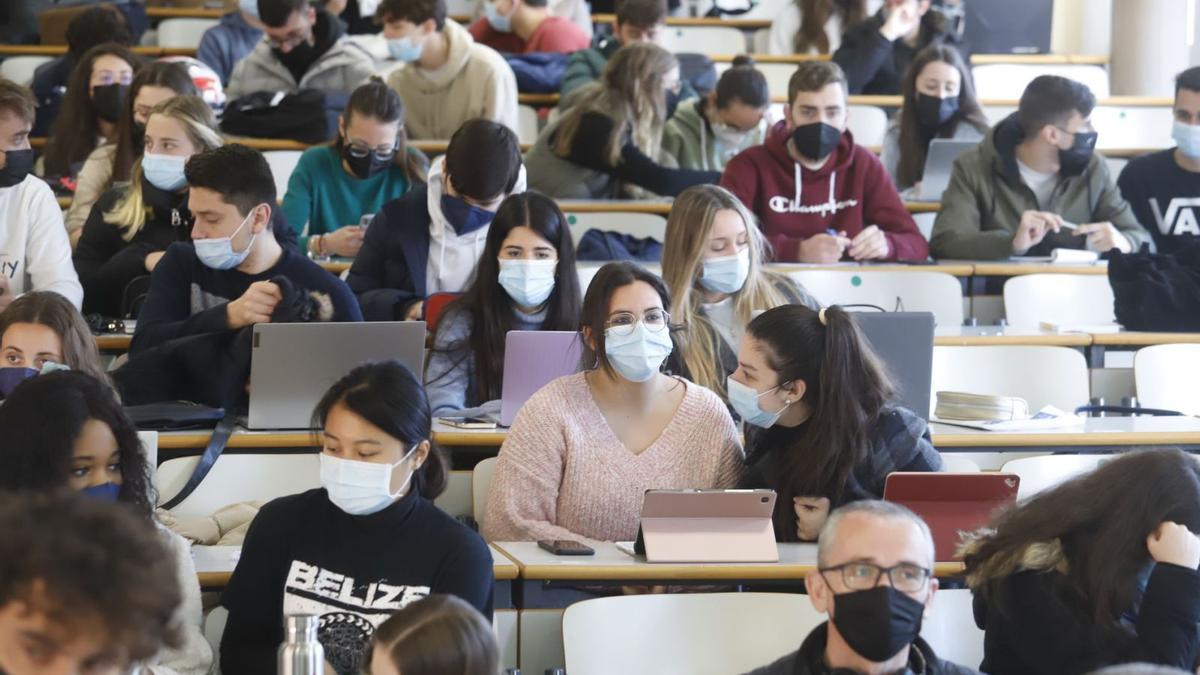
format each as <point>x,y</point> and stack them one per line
<point>1115,166</point>
<point>588,271</point>
<point>1165,376</point>
<point>434,305</point>
<point>1008,80</point>
<point>456,498</point>
<point>952,463</point>
<point>641,225</point>
<point>481,482</point>
<point>1046,471</point>
<point>282,163</point>
<point>149,441</point>
<point>996,113</point>
<point>183,33</point>
<point>924,223</point>
<point>1065,299</point>
<point>1042,376</point>
<point>915,291</point>
<point>1133,127</point>
<point>20,69</point>
<point>214,628</point>
<point>527,124</point>
<point>950,628</point>
<point>867,123</point>
<point>710,40</point>
<point>237,478</point>
<point>698,634</point>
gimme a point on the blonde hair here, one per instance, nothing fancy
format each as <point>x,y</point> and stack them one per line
<point>689,227</point>
<point>631,92</point>
<point>198,122</point>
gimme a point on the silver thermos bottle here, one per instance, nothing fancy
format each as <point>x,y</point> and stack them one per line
<point>301,653</point>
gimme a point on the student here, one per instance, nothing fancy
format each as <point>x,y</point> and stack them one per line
<point>815,26</point>
<point>371,525</point>
<point>447,78</point>
<point>526,27</point>
<point>1097,571</point>
<point>90,108</point>
<point>36,253</point>
<point>636,21</point>
<point>85,587</point>
<point>939,102</point>
<point>1163,187</point>
<point>334,187</point>
<point>1036,184</point>
<point>222,280</point>
<point>819,196</point>
<point>305,48</point>
<point>875,581</point>
<point>713,265</point>
<point>113,162</point>
<point>585,448</point>
<point>93,447</point>
<point>436,635</point>
<point>826,429</point>
<point>231,40</point>
<point>43,327</point>
<point>611,139</point>
<point>876,52</point>
<point>429,240</point>
<point>706,133</point>
<point>526,280</point>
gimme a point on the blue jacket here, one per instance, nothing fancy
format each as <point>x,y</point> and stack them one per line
<point>49,86</point>
<point>388,275</point>
<point>230,41</point>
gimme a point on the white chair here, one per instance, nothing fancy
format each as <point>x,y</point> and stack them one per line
<point>867,123</point>
<point>282,163</point>
<point>950,628</point>
<point>149,441</point>
<point>1042,376</point>
<point>710,40</point>
<point>214,627</point>
<point>588,270</point>
<point>916,291</point>
<point>481,481</point>
<point>1008,80</point>
<point>1064,299</point>
<point>1165,376</point>
<point>456,498</point>
<point>698,634</point>
<point>20,69</point>
<point>760,41</point>
<point>641,225</point>
<point>996,113</point>
<point>183,33</point>
<point>952,463</point>
<point>1115,166</point>
<point>1133,127</point>
<point>1044,472</point>
<point>527,124</point>
<point>924,223</point>
<point>778,75</point>
<point>237,478</point>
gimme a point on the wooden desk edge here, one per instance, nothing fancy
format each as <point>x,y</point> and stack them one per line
<point>1050,339</point>
<point>1013,269</point>
<point>239,439</point>
<point>513,566</point>
<point>221,579</point>
<point>985,439</point>
<point>1140,339</point>
<point>684,572</point>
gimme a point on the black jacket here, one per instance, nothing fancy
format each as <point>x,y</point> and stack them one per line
<point>875,66</point>
<point>810,659</point>
<point>388,275</point>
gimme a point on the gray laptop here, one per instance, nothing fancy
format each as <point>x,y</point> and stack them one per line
<point>939,163</point>
<point>292,364</point>
<point>532,358</point>
<point>904,343</point>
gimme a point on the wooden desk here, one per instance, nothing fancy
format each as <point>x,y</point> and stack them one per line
<point>336,265</point>
<point>241,438</point>
<point>448,436</point>
<point>953,268</point>
<point>59,50</point>
<point>1006,268</point>
<point>113,342</point>
<point>1132,341</point>
<point>664,207</point>
<point>1006,335</point>
<point>1096,434</point>
<point>184,13</point>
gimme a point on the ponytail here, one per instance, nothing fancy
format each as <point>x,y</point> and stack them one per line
<point>430,480</point>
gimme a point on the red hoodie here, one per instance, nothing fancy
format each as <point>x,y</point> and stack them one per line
<point>851,191</point>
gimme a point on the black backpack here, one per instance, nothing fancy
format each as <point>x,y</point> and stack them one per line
<point>1157,292</point>
<point>308,116</point>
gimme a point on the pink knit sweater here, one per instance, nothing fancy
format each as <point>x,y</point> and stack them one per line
<point>563,474</point>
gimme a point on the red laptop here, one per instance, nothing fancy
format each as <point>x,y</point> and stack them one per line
<point>952,503</point>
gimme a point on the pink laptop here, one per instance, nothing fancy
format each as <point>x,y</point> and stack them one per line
<point>532,358</point>
<point>707,526</point>
<point>952,503</point>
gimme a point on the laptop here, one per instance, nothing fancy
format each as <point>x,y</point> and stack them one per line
<point>952,504</point>
<point>293,364</point>
<point>532,358</point>
<point>939,163</point>
<point>904,343</point>
<point>707,526</point>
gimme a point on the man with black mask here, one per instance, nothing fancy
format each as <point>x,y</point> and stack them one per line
<point>875,581</point>
<point>1035,184</point>
<point>305,48</point>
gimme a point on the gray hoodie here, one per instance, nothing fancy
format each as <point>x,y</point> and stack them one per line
<point>341,69</point>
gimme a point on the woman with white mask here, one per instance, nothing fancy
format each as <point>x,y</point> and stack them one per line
<point>366,543</point>
<point>525,280</point>
<point>585,448</point>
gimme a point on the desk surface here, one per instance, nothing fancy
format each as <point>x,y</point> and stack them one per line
<point>956,336</point>
<point>1014,269</point>
<point>1139,339</point>
<point>1095,431</point>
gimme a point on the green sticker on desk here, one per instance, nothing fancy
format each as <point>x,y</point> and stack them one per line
<point>571,219</point>
<point>856,280</point>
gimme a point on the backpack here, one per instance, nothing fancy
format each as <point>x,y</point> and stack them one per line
<point>607,246</point>
<point>1157,292</point>
<point>308,116</point>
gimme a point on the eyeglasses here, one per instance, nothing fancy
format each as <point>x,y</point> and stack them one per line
<point>863,576</point>
<point>623,323</point>
<point>383,153</point>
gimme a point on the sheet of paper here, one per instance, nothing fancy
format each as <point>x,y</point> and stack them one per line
<point>216,558</point>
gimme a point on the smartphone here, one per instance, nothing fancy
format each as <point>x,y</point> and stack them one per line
<point>470,422</point>
<point>366,219</point>
<point>565,547</point>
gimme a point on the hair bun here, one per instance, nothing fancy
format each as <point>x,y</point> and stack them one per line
<point>743,60</point>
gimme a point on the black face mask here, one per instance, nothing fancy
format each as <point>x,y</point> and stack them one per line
<point>365,167</point>
<point>137,137</point>
<point>107,99</point>
<point>877,623</point>
<point>816,140</point>
<point>672,102</point>
<point>299,58</point>
<point>17,165</point>
<point>932,112</point>
<point>1073,160</point>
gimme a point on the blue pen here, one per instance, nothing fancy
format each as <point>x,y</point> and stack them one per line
<point>831,232</point>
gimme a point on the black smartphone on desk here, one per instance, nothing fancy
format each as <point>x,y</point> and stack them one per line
<point>565,547</point>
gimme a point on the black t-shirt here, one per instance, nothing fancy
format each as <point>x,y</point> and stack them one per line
<point>1164,197</point>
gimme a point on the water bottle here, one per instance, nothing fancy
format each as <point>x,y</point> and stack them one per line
<point>300,653</point>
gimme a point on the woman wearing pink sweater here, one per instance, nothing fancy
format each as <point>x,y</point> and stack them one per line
<point>585,448</point>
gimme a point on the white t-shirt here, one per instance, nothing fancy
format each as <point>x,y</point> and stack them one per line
<point>35,254</point>
<point>1042,184</point>
<point>721,316</point>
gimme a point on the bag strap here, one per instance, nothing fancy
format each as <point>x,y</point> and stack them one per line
<point>216,445</point>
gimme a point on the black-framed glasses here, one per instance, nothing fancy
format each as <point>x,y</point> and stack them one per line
<point>382,152</point>
<point>863,576</point>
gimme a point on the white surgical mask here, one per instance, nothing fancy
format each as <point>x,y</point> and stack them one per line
<point>164,172</point>
<point>1187,139</point>
<point>218,253</point>
<point>639,355</point>
<point>745,402</point>
<point>360,488</point>
<point>528,282</point>
<point>726,274</point>
<point>404,49</point>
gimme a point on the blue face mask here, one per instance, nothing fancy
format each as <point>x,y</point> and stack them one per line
<point>11,377</point>
<point>744,400</point>
<point>638,356</point>
<point>498,22</point>
<point>106,492</point>
<point>1187,139</point>
<point>217,252</point>
<point>528,282</point>
<point>404,49</point>
<point>463,217</point>
<point>728,273</point>
<point>164,172</point>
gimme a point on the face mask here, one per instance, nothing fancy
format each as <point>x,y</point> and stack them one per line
<point>877,623</point>
<point>932,112</point>
<point>744,400</point>
<point>1073,160</point>
<point>11,377</point>
<point>672,102</point>
<point>729,135</point>
<point>404,49</point>
<point>17,165</point>
<point>726,274</point>
<point>816,140</point>
<point>528,282</point>
<point>107,99</point>
<point>164,172</point>
<point>639,355</point>
<point>217,252</point>
<point>250,7</point>
<point>365,167</point>
<point>498,22</point>
<point>299,57</point>
<point>463,217</point>
<point>107,492</point>
<point>1187,138</point>
<point>360,488</point>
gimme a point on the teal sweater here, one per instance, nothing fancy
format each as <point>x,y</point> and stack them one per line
<point>324,197</point>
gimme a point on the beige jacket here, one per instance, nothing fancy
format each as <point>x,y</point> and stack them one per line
<point>475,82</point>
<point>90,184</point>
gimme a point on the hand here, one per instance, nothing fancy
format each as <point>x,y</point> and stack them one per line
<point>152,259</point>
<point>870,244</point>
<point>344,242</point>
<point>414,311</point>
<point>903,17</point>
<point>823,248</point>
<point>1103,237</point>
<point>811,513</point>
<point>1033,228</point>
<point>1175,544</point>
<point>255,305</point>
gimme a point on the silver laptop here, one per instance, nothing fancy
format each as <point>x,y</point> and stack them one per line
<point>532,358</point>
<point>293,364</point>
<point>939,163</point>
<point>903,341</point>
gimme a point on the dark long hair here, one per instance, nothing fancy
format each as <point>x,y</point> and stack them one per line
<point>435,635</point>
<point>389,396</point>
<point>73,136</point>
<point>846,389</point>
<point>1101,520</point>
<point>814,14</point>
<point>40,421</point>
<point>49,309</point>
<point>166,74</point>
<point>594,314</point>
<point>377,100</point>
<point>914,144</point>
<point>487,303</point>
